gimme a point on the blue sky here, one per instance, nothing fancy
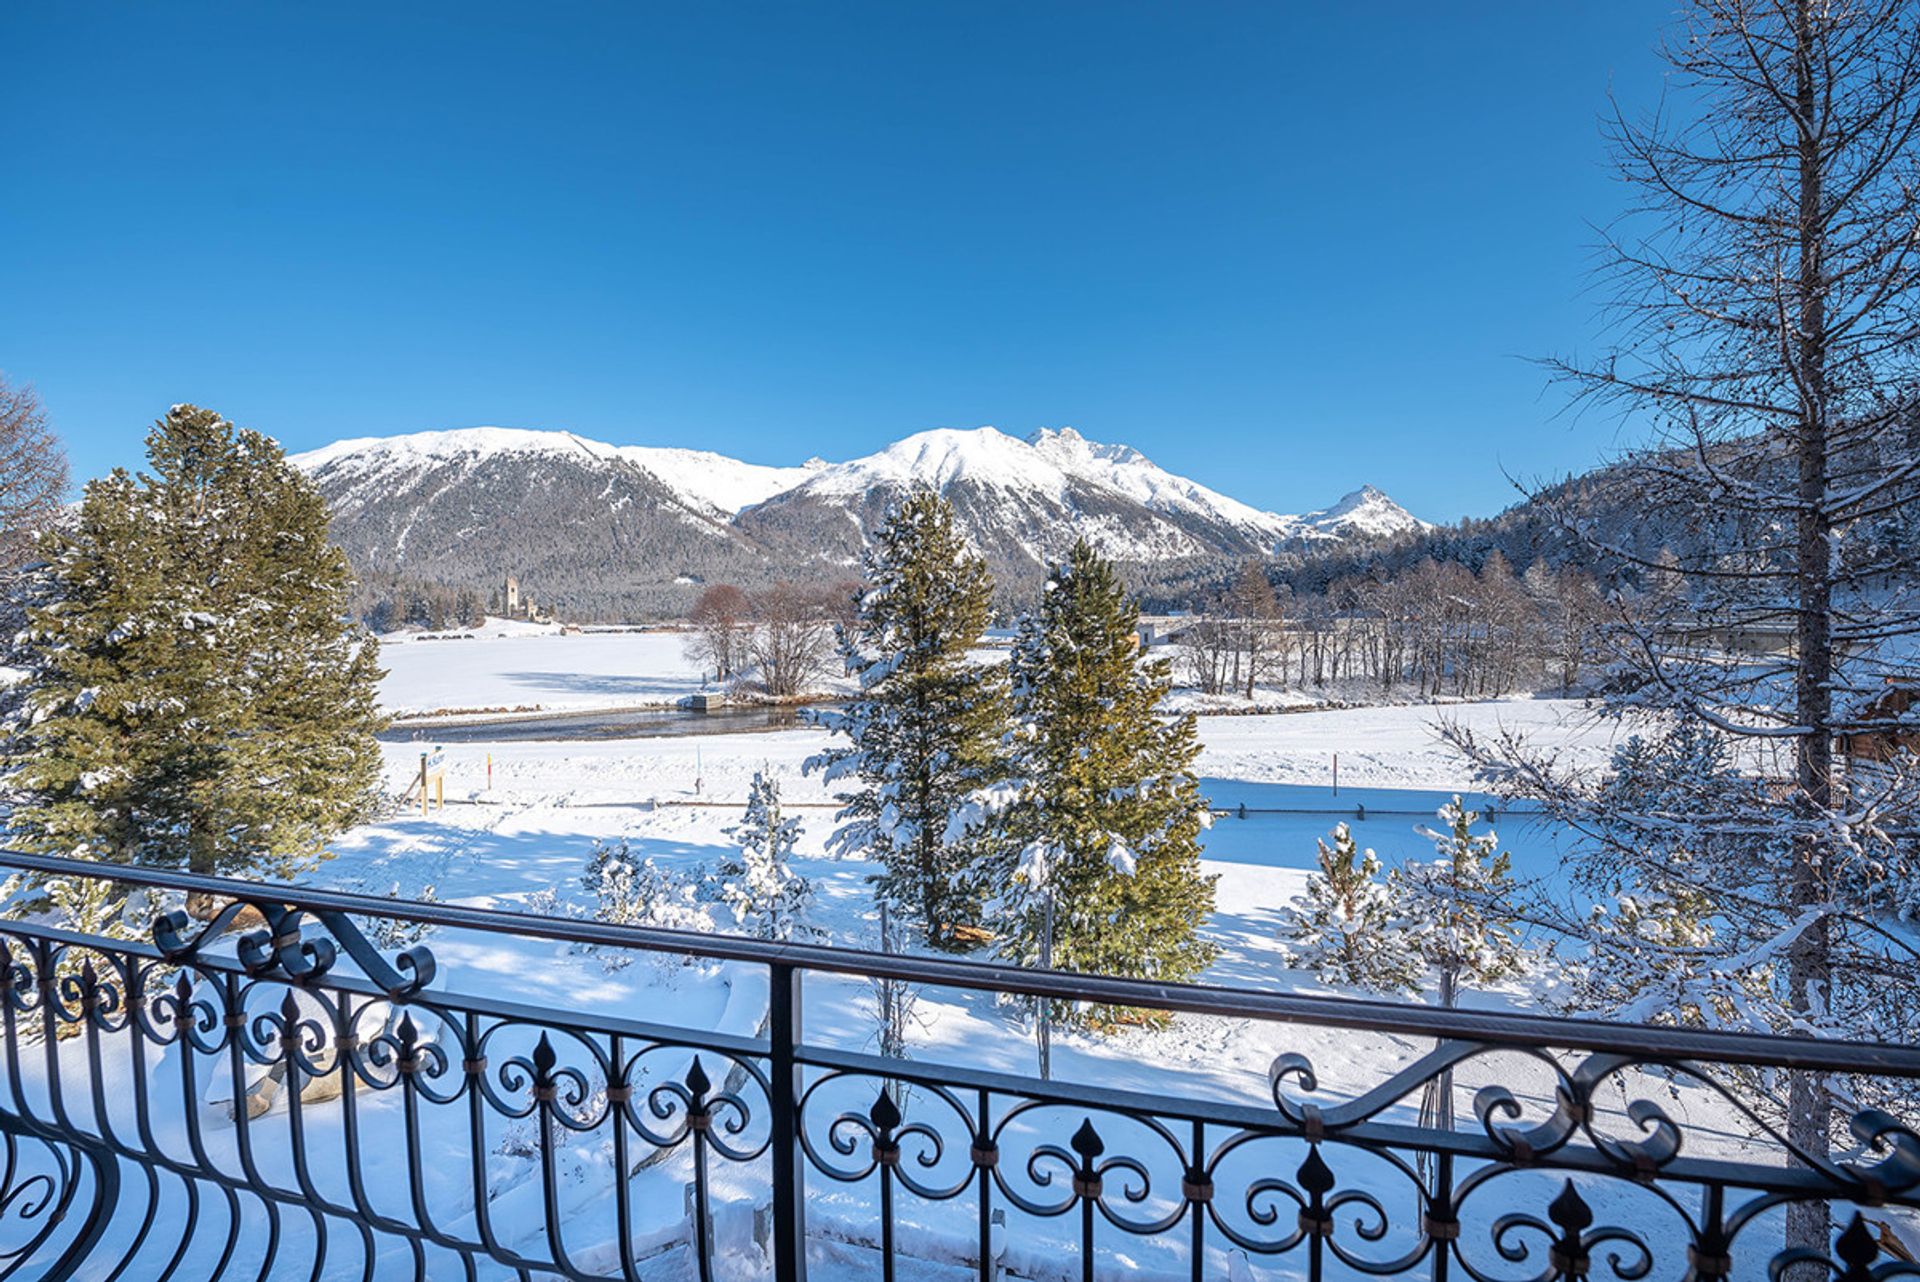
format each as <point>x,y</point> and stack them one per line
<point>1282,248</point>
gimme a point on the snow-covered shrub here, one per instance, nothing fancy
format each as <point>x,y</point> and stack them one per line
<point>1654,960</point>
<point>1344,927</point>
<point>86,906</point>
<point>392,934</point>
<point>763,893</point>
<point>1661,947</point>
<point>638,892</point>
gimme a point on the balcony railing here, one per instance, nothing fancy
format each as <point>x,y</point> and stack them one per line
<point>287,1102</point>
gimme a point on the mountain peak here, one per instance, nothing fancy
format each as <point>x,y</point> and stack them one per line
<point>1367,511</point>
<point>1069,447</point>
<point>459,504</point>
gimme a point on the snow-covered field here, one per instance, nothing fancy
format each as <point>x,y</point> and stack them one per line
<point>508,666</point>
<point>672,799</point>
<point>524,817</point>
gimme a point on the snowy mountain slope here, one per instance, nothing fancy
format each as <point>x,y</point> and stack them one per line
<point>1024,502</point>
<point>582,525</point>
<point>1365,513</point>
<point>1127,471</point>
<point>614,530</point>
<point>704,480</point>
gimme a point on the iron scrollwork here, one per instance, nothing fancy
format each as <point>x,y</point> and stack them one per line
<point>231,1101</point>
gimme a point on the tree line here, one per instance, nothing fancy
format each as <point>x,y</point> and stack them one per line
<point>388,602</point>
<point>1436,629</point>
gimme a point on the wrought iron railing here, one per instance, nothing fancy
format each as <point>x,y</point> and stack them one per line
<point>286,1102</point>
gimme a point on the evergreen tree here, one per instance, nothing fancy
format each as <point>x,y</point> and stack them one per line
<point>1105,815</point>
<point>1459,922</point>
<point>925,727</point>
<point>1345,929</point>
<point>1457,905</point>
<point>195,694</point>
<point>763,892</point>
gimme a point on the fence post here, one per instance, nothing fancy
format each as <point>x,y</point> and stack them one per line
<point>789,1185</point>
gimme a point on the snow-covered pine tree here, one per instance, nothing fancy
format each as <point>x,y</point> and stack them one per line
<point>765,895</point>
<point>1345,928</point>
<point>1458,910</point>
<point>924,729</point>
<point>195,693</point>
<point>1105,814</point>
<point>1458,906</point>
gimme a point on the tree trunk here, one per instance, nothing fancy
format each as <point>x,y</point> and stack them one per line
<point>1808,1102</point>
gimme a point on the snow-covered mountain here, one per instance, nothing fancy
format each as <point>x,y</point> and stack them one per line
<point>600,527</point>
<point>1023,501</point>
<point>707,481</point>
<point>1366,513</point>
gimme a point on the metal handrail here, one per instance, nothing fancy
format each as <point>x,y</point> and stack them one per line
<point>1295,1175</point>
<point>1483,1027</point>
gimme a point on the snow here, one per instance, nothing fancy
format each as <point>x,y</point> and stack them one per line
<point>516,666</point>
<point>941,458</point>
<point>1128,471</point>
<point>529,667</point>
<point>524,841</point>
<point>1050,464</point>
<point>724,485</point>
<point>1368,512</point>
<point>1395,747</point>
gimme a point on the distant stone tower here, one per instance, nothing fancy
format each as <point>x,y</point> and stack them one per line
<point>511,597</point>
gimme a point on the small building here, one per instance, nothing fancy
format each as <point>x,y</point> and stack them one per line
<point>1162,629</point>
<point>1750,638</point>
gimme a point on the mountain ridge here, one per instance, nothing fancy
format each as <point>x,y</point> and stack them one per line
<point>625,529</point>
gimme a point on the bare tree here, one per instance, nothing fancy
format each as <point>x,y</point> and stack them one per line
<point>1258,634</point>
<point>721,619</point>
<point>840,601</point>
<point>1206,649</point>
<point>1572,613</point>
<point>33,473</point>
<point>791,639</point>
<point>1768,321</point>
